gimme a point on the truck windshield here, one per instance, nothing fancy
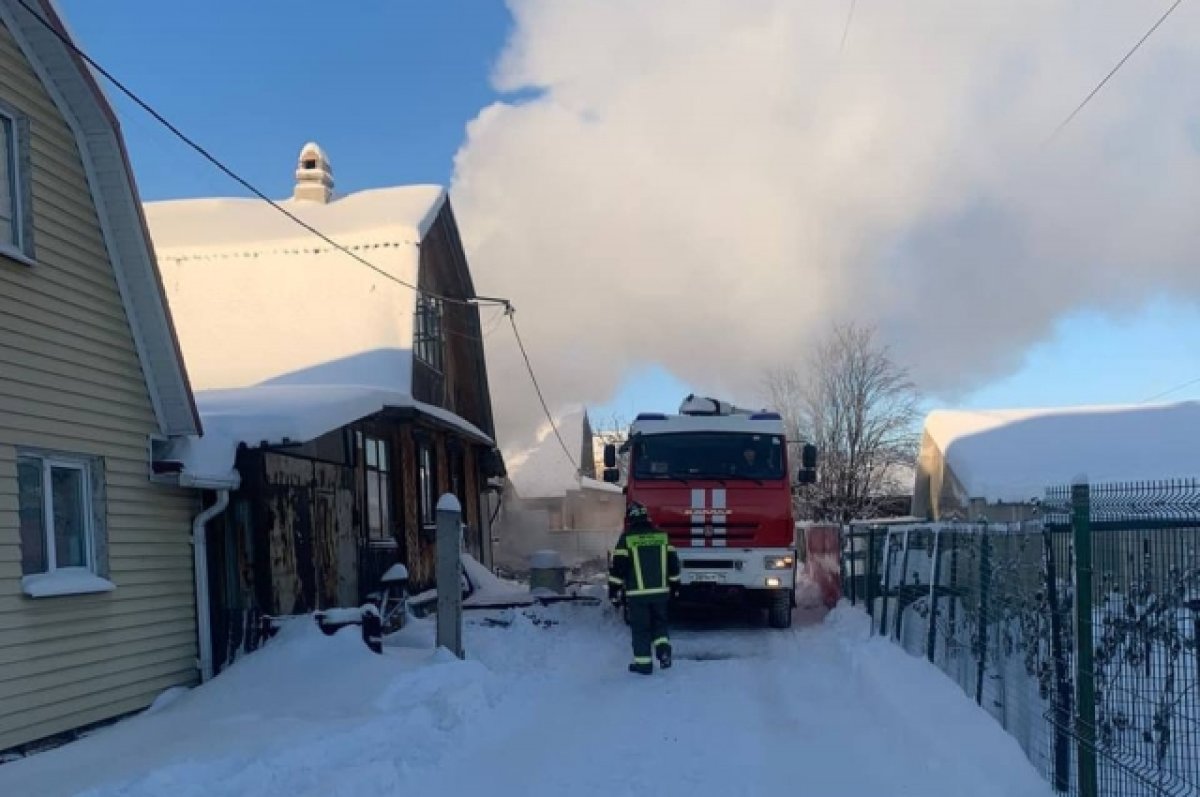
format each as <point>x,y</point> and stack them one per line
<point>715,455</point>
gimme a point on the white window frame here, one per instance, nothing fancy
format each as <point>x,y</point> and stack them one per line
<point>89,547</point>
<point>20,248</point>
<point>72,579</point>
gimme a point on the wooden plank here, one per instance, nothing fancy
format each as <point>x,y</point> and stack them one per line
<point>27,309</point>
<point>17,730</point>
<point>87,291</point>
<point>125,599</point>
<point>48,433</point>
<point>51,673</point>
<point>50,382</point>
<point>30,636</point>
<point>51,341</point>
<point>78,403</point>
<point>49,702</point>
<point>69,365</point>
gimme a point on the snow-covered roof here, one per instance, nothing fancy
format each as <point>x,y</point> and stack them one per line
<point>1013,455</point>
<point>673,424</point>
<point>543,470</point>
<point>283,411</point>
<point>243,278</point>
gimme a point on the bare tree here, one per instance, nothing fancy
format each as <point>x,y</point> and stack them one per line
<point>860,409</point>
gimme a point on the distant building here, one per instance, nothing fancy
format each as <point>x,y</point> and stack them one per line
<point>547,494</point>
<point>996,464</point>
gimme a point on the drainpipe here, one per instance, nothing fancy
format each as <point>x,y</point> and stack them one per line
<point>200,554</point>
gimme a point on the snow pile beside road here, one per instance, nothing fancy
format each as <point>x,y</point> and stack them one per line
<point>538,704</point>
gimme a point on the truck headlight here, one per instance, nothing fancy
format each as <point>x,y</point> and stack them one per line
<point>772,581</point>
<point>778,562</point>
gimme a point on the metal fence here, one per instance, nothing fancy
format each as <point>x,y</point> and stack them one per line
<point>1076,631</point>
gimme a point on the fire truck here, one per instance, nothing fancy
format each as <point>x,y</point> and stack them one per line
<point>717,479</point>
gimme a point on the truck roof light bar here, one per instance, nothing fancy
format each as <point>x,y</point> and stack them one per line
<point>651,416</point>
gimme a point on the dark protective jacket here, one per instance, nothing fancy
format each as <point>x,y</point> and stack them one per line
<point>644,564</point>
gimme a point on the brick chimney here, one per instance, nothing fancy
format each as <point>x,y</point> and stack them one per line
<point>314,175</point>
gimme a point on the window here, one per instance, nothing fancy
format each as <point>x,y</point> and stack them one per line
<point>427,465</point>
<point>713,455</point>
<point>379,489</point>
<point>427,332</point>
<point>16,229</point>
<point>61,525</point>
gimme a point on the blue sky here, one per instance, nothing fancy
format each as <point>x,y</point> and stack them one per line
<point>388,88</point>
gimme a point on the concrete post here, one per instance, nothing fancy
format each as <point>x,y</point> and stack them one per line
<point>449,574</point>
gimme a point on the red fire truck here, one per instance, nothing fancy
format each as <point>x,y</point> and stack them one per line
<point>716,478</point>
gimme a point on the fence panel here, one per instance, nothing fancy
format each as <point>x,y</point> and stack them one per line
<point>1101,687</point>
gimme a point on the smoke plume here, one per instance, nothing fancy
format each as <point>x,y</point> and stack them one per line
<point>708,184</point>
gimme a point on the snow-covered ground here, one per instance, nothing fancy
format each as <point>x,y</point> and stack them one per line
<point>545,706</point>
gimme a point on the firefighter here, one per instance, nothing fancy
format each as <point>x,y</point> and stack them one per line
<point>645,571</point>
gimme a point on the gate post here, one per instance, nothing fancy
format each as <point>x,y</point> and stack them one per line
<point>449,574</point>
<point>1085,676</point>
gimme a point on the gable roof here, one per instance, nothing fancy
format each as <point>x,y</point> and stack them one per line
<point>1014,455</point>
<point>80,99</point>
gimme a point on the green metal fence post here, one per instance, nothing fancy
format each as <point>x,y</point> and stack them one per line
<point>1085,717</point>
<point>1062,684</point>
<point>984,581</point>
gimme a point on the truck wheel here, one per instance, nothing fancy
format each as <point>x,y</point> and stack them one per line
<point>779,615</point>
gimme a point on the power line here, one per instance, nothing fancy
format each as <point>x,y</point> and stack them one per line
<point>230,173</point>
<point>1175,389</point>
<point>846,29</point>
<point>1114,71</point>
<point>554,426</point>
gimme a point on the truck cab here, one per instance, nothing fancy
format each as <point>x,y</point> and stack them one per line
<point>717,479</point>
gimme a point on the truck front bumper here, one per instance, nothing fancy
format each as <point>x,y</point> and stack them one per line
<point>737,569</point>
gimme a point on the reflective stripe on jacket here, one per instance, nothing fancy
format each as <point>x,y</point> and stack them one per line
<point>644,563</point>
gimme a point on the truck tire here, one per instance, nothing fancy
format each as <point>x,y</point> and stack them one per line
<point>779,614</point>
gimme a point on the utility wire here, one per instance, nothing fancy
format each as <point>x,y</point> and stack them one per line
<point>554,426</point>
<point>507,306</point>
<point>1168,392</point>
<point>228,172</point>
<point>1114,71</point>
<point>846,29</point>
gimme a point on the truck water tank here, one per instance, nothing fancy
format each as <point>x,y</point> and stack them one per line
<point>547,573</point>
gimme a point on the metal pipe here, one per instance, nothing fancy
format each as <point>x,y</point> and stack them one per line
<point>200,566</point>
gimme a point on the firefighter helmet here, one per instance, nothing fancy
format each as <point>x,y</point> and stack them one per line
<point>637,515</point>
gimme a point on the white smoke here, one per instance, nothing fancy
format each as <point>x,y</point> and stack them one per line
<point>707,184</point>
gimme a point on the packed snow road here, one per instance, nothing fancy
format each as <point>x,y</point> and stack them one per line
<point>545,707</point>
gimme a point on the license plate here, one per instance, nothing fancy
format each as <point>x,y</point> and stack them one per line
<point>708,577</point>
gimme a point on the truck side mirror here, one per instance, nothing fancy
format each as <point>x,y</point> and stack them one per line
<point>808,457</point>
<point>612,475</point>
<point>806,476</point>
<point>610,456</point>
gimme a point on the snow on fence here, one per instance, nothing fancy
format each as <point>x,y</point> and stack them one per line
<point>1077,632</point>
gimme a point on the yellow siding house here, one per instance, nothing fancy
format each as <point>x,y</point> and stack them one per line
<point>97,606</point>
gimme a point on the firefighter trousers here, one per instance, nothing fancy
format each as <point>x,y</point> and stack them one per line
<point>648,621</point>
